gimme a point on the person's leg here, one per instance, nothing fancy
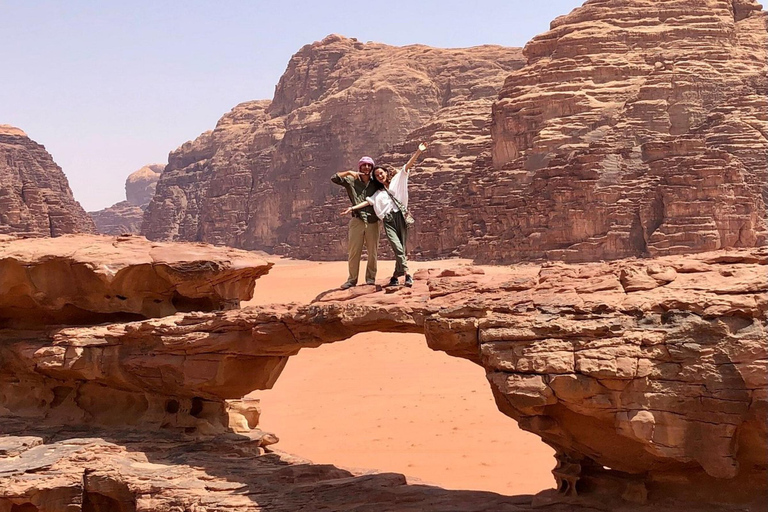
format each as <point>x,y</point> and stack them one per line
<point>393,235</point>
<point>402,233</point>
<point>372,244</point>
<point>356,238</point>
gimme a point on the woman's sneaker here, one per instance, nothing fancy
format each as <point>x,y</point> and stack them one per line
<point>408,280</point>
<point>393,282</point>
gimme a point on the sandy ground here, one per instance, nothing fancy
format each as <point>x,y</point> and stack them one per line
<point>388,402</point>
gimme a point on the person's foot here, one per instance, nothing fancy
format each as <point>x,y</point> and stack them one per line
<point>370,281</point>
<point>347,285</point>
<point>393,282</point>
<point>408,280</point>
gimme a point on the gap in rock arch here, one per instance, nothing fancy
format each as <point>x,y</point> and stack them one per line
<point>388,402</point>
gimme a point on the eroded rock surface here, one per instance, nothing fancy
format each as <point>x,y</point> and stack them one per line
<point>637,128</point>
<point>35,198</point>
<point>90,279</point>
<point>261,178</point>
<point>633,129</point>
<point>119,470</point>
<point>648,377</point>
<point>126,216</point>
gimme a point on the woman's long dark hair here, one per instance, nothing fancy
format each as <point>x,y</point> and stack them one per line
<point>376,183</point>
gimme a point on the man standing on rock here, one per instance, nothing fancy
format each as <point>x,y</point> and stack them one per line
<point>364,225</point>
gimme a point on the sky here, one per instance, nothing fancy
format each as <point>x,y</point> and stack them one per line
<point>108,87</point>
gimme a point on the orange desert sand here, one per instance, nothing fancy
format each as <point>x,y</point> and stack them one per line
<point>389,403</point>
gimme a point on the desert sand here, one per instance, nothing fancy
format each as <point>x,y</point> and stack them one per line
<point>387,402</point>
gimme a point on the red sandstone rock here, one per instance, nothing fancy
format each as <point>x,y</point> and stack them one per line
<point>35,198</point>
<point>121,218</point>
<point>637,128</point>
<point>87,279</point>
<point>650,388</point>
<point>118,470</point>
<point>261,179</point>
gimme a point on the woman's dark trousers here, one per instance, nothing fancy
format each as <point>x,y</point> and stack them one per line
<point>397,234</point>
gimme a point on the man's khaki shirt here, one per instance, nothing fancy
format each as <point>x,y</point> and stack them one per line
<point>358,192</point>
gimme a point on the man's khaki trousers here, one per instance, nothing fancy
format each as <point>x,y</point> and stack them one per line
<point>362,233</point>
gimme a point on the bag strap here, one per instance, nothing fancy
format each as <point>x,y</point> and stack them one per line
<point>397,203</point>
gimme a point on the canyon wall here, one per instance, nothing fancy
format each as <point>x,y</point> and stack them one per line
<point>261,178</point>
<point>627,129</point>
<point>638,128</point>
<point>35,198</point>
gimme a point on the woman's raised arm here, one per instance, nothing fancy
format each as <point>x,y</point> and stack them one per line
<point>412,160</point>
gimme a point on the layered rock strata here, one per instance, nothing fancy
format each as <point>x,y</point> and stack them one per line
<point>261,178</point>
<point>632,130</point>
<point>35,198</point>
<point>89,278</point>
<point>126,216</point>
<point>637,128</point>
<point>119,470</point>
<point>647,377</point>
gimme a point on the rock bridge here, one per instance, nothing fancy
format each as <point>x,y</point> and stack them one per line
<point>648,377</point>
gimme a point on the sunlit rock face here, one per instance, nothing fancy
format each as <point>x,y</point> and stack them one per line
<point>35,198</point>
<point>261,178</point>
<point>637,128</point>
<point>648,377</point>
<point>126,216</point>
<point>634,129</point>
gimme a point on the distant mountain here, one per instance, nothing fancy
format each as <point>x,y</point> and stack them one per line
<point>126,216</point>
<point>35,198</point>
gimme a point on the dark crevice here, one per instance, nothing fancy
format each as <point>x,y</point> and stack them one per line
<point>26,507</point>
<point>70,315</point>
<point>197,407</point>
<point>102,494</point>
<point>187,304</point>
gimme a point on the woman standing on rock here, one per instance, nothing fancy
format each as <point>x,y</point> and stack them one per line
<point>390,203</point>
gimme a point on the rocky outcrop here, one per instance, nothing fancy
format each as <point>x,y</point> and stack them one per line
<point>261,178</point>
<point>637,128</point>
<point>126,216</point>
<point>91,279</point>
<point>647,377</point>
<point>119,470</point>
<point>35,198</point>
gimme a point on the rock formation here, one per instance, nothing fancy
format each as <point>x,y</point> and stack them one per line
<point>35,198</point>
<point>647,377</point>
<point>260,179</point>
<point>126,216</point>
<point>637,128</point>
<point>82,278</point>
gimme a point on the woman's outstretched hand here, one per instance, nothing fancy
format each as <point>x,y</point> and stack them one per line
<point>347,211</point>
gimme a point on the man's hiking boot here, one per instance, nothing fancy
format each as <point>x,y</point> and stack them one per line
<point>370,281</point>
<point>347,285</point>
<point>408,280</point>
<point>393,282</point>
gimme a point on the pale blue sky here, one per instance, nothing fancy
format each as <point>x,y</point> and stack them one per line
<point>110,86</point>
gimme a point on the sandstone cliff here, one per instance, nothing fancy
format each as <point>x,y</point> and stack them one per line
<point>634,129</point>
<point>35,198</point>
<point>126,216</point>
<point>637,128</point>
<point>647,377</point>
<point>261,178</point>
